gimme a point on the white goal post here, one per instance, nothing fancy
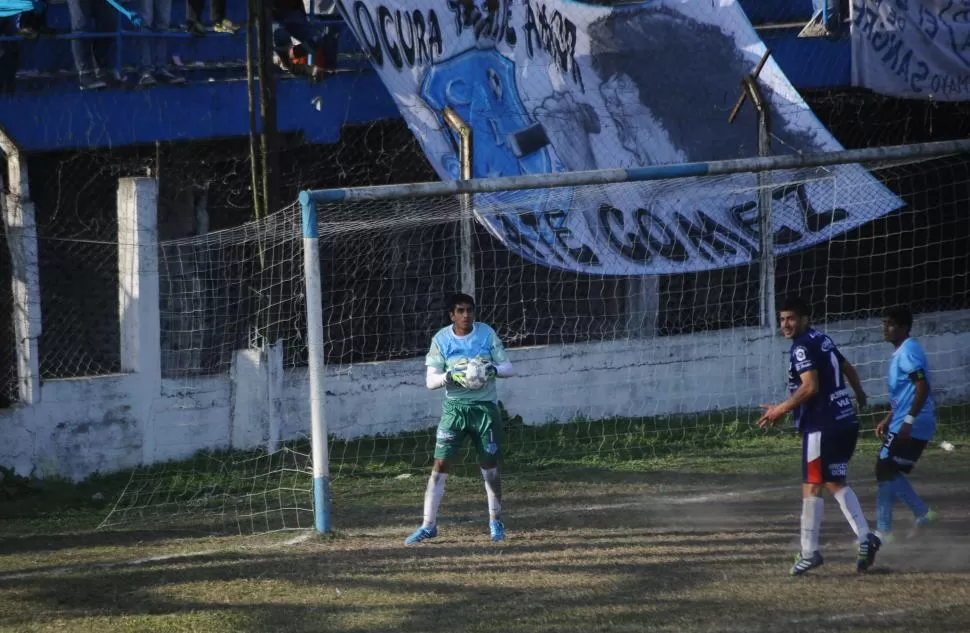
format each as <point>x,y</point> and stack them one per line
<point>345,210</point>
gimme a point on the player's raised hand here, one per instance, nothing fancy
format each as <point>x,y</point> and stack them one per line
<point>771,415</point>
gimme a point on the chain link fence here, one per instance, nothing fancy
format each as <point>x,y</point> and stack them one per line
<point>8,340</point>
<point>203,187</point>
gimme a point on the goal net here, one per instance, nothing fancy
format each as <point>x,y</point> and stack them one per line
<point>637,333</point>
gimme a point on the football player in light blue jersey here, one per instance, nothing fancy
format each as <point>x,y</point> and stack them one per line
<point>819,399</point>
<point>909,425</point>
<point>466,410</point>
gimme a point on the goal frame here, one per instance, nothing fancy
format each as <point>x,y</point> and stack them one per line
<point>310,199</point>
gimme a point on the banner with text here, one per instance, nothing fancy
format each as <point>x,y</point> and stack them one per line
<point>566,85</point>
<point>915,49</point>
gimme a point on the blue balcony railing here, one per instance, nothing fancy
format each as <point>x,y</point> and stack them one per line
<point>50,53</point>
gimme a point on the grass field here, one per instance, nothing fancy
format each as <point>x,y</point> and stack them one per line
<point>613,526</point>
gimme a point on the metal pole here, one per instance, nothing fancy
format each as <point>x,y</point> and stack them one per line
<point>19,217</point>
<point>638,174</point>
<point>254,159</point>
<point>766,266</point>
<point>315,340</point>
<point>466,255</point>
<point>766,262</point>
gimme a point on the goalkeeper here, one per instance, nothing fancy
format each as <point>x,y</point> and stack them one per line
<point>466,411</point>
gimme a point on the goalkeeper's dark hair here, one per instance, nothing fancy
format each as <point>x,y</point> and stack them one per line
<point>795,304</point>
<point>900,315</point>
<point>460,298</point>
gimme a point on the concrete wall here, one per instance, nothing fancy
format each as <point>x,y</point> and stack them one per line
<point>81,426</point>
<point>741,368</point>
<point>76,427</point>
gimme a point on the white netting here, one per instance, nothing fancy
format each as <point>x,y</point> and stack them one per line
<point>231,306</point>
<point>611,366</point>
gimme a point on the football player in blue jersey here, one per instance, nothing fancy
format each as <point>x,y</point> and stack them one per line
<point>822,407</point>
<point>466,411</point>
<point>907,428</point>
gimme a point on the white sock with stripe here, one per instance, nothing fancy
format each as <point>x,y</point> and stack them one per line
<point>852,510</point>
<point>812,508</point>
<point>432,498</point>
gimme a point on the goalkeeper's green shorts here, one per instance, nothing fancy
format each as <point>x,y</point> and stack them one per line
<point>479,420</point>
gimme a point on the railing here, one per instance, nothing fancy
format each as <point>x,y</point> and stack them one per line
<point>121,34</point>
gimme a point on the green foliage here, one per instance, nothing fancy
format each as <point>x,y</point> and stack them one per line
<point>12,485</point>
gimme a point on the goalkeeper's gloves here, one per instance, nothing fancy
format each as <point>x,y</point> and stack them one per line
<point>490,371</point>
<point>455,377</point>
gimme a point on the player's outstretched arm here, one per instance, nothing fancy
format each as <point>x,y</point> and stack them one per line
<point>852,376</point>
<point>922,388</point>
<point>806,390</point>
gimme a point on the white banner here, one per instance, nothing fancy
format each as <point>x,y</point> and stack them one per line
<point>915,49</point>
<point>565,85</point>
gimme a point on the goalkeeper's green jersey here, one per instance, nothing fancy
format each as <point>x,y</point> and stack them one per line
<point>449,351</point>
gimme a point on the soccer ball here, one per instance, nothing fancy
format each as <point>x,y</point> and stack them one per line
<point>475,376</point>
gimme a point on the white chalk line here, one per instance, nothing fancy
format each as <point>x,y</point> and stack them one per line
<point>149,560</point>
<point>652,501</point>
<point>305,536</point>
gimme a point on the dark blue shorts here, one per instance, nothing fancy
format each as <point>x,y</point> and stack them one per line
<point>826,454</point>
<point>898,455</point>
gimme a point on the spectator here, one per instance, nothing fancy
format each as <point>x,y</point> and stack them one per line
<point>217,11</point>
<point>290,22</point>
<point>17,17</point>
<point>33,23</point>
<point>91,55</point>
<point>157,16</point>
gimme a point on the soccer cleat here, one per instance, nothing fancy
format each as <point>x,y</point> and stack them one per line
<point>803,564</point>
<point>496,530</point>
<point>422,534</point>
<point>867,552</point>
<point>927,520</point>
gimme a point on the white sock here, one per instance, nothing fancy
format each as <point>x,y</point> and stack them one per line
<point>811,524</point>
<point>849,503</point>
<point>493,490</point>
<point>432,498</point>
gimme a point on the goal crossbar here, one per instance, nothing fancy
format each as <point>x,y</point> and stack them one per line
<point>637,174</point>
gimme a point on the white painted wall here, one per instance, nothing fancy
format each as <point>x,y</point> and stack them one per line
<point>73,428</point>
<point>104,424</point>
<point>670,375</point>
